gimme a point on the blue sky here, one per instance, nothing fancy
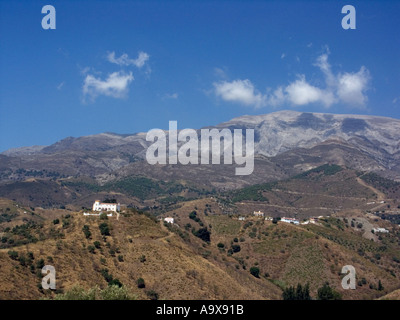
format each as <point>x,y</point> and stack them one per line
<point>130,66</point>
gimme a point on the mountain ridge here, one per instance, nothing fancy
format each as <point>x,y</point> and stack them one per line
<point>283,140</point>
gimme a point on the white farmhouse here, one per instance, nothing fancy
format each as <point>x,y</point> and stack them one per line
<point>101,206</point>
<point>312,220</point>
<point>169,220</point>
<point>383,230</point>
<point>258,214</point>
<point>290,220</point>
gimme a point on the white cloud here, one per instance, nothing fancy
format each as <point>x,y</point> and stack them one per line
<point>124,59</point>
<point>60,85</point>
<point>283,55</point>
<point>276,98</point>
<point>220,73</point>
<point>352,87</point>
<point>171,96</point>
<point>241,91</point>
<point>116,85</point>
<point>301,92</point>
<point>348,88</point>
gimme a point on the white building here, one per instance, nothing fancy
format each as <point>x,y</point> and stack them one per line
<point>242,218</point>
<point>258,214</point>
<point>96,214</point>
<point>383,230</point>
<point>101,206</point>
<point>169,220</point>
<point>312,220</point>
<point>290,220</point>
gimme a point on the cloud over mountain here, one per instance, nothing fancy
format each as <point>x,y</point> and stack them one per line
<point>347,87</point>
<point>115,85</point>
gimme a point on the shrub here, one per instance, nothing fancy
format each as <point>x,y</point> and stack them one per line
<point>220,245</point>
<point>115,292</point>
<point>115,282</point>
<point>86,231</point>
<point>380,286</point>
<point>255,272</point>
<point>235,248</point>
<point>108,277</point>
<point>103,216</point>
<point>13,254</point>
<point>104,229</point>
<point>40,264</point>
<point>97,244</point>
<point>121,258</point>
<point>142,258</point>
<point>91,249</point>
<point>22,260</point>
<point>140,283</point>
<point>56,221</point>
<point>152,295</point>
<point>193,216</point>
<point>109,293</point>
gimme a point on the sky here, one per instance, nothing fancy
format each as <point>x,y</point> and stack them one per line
<point>131,66</point>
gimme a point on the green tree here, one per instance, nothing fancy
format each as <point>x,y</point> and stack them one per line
<point>203,234</point>
<point>104,229</point>
<point>40,264</point>
<point>288,293</point>
<point>13,254</point>
<point>327,293</point>
<point>86,231</point>
<point>380,286</point>
<point>97,244</point>
<point>140,283</point>
<point>298,293</point>
<point>255,271</point>
<point>235,248</point>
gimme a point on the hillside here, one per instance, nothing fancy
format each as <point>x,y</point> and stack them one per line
<point>177,264</point>
<point>171,267</point>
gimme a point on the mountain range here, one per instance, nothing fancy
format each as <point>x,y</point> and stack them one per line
<point>286,143</point>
